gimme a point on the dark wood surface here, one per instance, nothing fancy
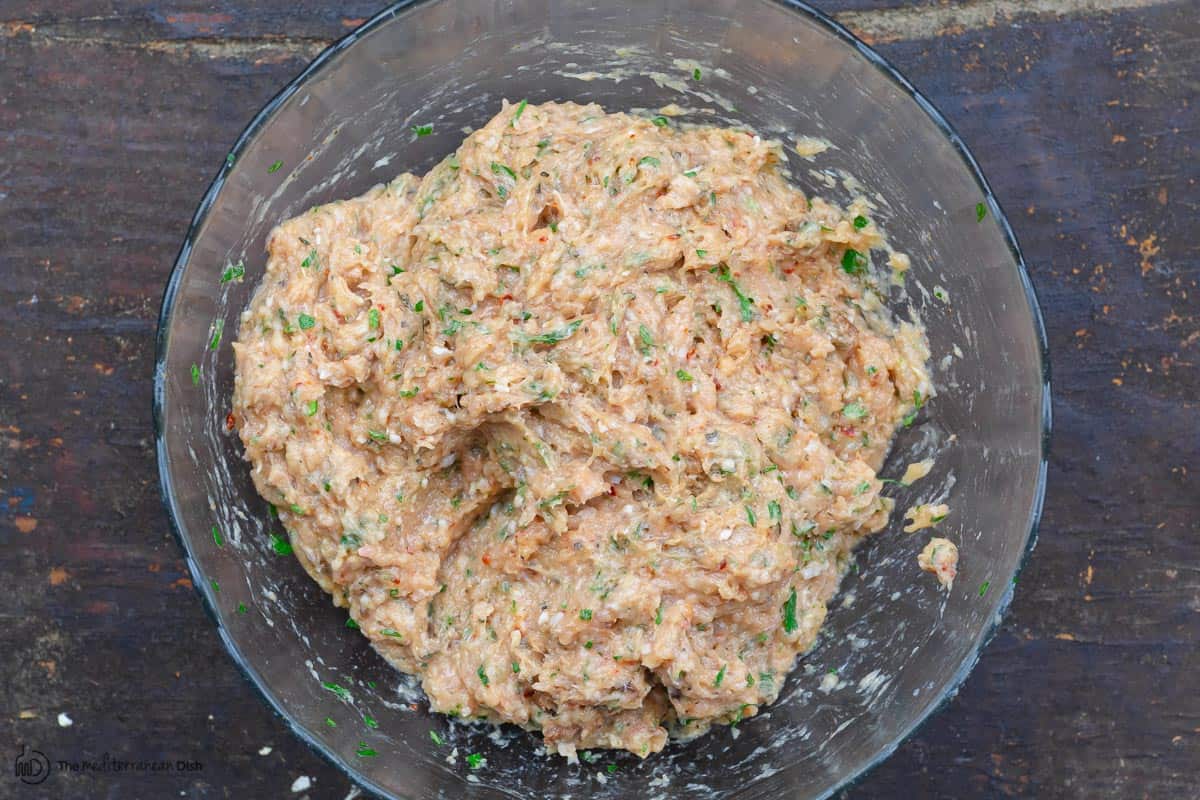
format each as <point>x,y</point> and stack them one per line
<point>114,115</point>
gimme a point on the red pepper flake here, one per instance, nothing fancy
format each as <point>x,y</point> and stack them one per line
<point>486,559</point>
<point>612,490</point>
<point>230,421</point>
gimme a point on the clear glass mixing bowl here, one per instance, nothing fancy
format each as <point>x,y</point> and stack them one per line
<point>899,645</point>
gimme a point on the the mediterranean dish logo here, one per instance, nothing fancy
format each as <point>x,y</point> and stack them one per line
<point>31,766</point>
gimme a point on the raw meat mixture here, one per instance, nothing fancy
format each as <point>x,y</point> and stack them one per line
<point>582,425</point>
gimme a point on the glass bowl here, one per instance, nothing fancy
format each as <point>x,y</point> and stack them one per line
<point>895,646</point>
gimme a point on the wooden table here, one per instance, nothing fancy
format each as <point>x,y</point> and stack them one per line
<point>114,115</point>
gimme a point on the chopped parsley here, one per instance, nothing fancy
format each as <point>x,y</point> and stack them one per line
<point>234,273</point>
<point>483,676</point>
<point>392,632</point>
<point>647,339</point>
<point>860,222</point>
<point>476,760</point>
<point>311,260</point>
<point>195,374</point>
<point>517,115</point>
<point>499,169</point>
<point>217,538</point>
<point>241,609</point>
<point>370,721</point>
<point>351,624</point>
<point>306,322</point>
<point>720,676</point>
<point>373,319</point>
<point>696,74</point>
<point>775,512</point>
<point>217,329</point>
<point>661,121</point>
<point>651,160</point>
<point>658,615</point>
<point>340,691</point>
<point>365,752</point>
<point>789,613</point>
<point>751,517</point>
<point>554,336</point>
<point>410,392</point>
<point>918,401</point>
<point>744,302</point>
<point>280,545</point>
<point>422,130</point>
<point>419,306</point>
<point>683,375</point>
<point>378,436</point>
<point>437,738</point>
<point>585,614</point>
<point>853,262</point>
<point>980,211</point>
<point>330,722</point>
<point>271,170</point>
<point>983,588</point>
<point>854,411</point>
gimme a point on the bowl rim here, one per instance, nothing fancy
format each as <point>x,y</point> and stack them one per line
<point>317,65</point>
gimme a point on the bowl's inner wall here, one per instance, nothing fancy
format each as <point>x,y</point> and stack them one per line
<point>896,642</point>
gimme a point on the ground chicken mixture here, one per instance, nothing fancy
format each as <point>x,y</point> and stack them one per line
<point>582,425</point>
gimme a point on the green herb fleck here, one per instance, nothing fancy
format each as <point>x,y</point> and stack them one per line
<point>351,624</point>
<point>217,538</point>
<point>746,303</point>
<point>980,211</point>
<point>370,721</point>
<point>696,74</point>
<point>410,392</point>
<point>658,615</point>
<point>853,262</point>
<point>661,121</point>
<point>378,436</point>
<point>751,517</point>
<point>476,760</point>
<point>585,614</point>
<point>854,411</point>
<point>365,752</point>
<point>306,321</point>
<point>234,273</point>
<point>517,115</point>
<point>330,722</point>
<point>280,545</point>
<point>483,677</point>
<point>311,260</point>
<point>217,329</point>
<point>340,691</point>
<point>775,512</point>
<point>983,588</point>
<point>195,374</point>
<point>499,168</point>
<point>241,609</point>
<point>650,160</point>
<point>554,336</point>
<point>422,130</point>
<point>789,613</point>
<point>373,319</point>
<point>419,306</point>
<point>271,170</point>
<point>437,738</point>
<point>647,339</point>
<point>683,375</point>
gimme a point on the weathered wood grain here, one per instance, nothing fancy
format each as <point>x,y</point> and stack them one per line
<point>115,114</point>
